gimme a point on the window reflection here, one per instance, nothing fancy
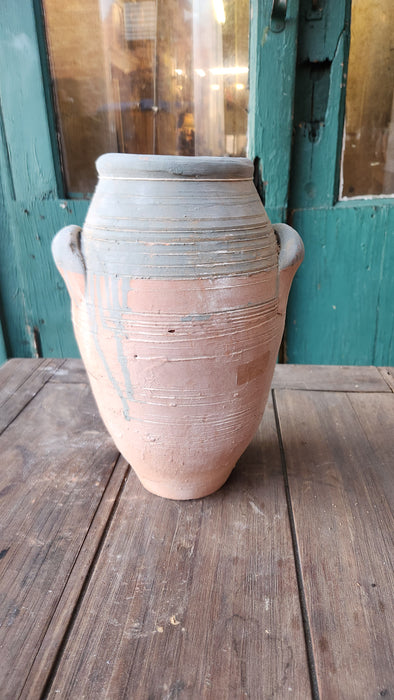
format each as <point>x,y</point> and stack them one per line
<point>150,76</point>
<point>368,158</point>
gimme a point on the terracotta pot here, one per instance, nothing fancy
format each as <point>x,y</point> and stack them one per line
<point>179,288</point>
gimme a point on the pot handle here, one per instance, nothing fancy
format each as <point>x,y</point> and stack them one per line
<point>67,254</point>
<point>291,255</point>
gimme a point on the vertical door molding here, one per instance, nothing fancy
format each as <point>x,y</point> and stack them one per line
<point>34,305</point>
<point>272,79</point>
<point>323,49</point>
<point>24,113</point>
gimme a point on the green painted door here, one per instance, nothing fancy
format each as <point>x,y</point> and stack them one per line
<point>341,305</point>
<point>34,306</point>
<point>342,180</point>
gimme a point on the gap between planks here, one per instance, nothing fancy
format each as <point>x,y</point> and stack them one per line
<point>339,449</point>
<point>39,409</point>
<point>297,562</point>
<point>23,391</point>
<point>204,581</point>
<point>39,680</point>
<point>388,376</point>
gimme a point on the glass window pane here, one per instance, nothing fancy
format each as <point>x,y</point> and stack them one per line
<point>368,158</point>
<point>147,76</point>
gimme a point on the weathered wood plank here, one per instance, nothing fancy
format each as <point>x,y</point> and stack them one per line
<point>45,659</point>
<point>388,375</point>
<point>376,416</point>
<point>194,599</point>
<point>328,378</point>
<point>56,459</point>
<point>72,371</point>
<point>339,450</point>
<point>14,373</point>
<point>20,380</point>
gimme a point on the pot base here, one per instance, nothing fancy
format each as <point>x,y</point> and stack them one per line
<point>177,490</point>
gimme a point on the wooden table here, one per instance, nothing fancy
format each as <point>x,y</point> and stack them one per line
<point>280,585</point>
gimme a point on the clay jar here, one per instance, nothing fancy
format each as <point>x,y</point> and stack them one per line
<point>179,286</point>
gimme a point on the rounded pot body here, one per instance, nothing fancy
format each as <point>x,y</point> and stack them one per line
<point>178,300</point>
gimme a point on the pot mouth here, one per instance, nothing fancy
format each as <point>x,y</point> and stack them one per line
<point>129,166</point>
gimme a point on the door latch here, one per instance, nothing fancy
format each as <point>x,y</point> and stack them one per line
<point>278,16</point>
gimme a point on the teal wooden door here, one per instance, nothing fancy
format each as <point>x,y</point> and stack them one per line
<point>34,307</point>
<point>340,309</point>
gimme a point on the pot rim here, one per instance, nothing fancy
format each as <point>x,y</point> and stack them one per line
<point>165,167</point>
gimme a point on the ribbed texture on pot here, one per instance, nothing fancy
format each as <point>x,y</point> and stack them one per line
<point>175,283</point>
<point>156,217</point>
<point>130,166</point>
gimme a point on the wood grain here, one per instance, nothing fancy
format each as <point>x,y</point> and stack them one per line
<point>13,374</point>
<point>20,381</point>
<point>194,599</point>
<point>339,455</point>
<point>388,375</point>
<point>72,371</point>
<point>328,378</point>
<point>108,591</point>
<point>56,460</point>
<point>57,630</point>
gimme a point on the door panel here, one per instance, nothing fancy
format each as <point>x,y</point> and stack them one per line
<point>45,329</point>
<point>341,305</point>
<point>272,77</point>
<point>34,304</point>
